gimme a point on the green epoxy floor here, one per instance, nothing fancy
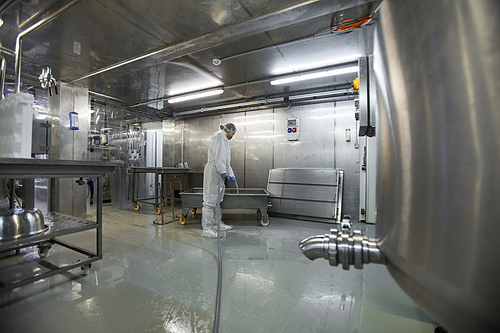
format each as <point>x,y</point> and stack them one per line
<point>163,279</point>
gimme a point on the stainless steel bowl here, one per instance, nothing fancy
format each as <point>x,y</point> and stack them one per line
<point>18,223</point>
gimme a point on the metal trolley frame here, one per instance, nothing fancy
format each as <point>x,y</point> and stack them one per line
<point>158,185</point>
<point>247,198</point>
<point>58,224</point>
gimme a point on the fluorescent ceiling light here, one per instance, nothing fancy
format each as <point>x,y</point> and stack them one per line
<point>188,87</point>
<point>195,95</point>
<point>304,67</point>
<point>316,75</point>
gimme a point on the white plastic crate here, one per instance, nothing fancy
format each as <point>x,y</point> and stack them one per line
<point>16,123</point>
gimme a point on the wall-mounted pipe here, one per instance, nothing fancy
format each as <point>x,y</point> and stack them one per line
<point>344,248</point>
<point>30,29</point>
<point>3,68</point>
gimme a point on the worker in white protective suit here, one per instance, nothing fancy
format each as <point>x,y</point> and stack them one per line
<point>218,167</point>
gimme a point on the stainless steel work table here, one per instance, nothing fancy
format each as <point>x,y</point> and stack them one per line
<point>158,186</point>
<point>58,224</point>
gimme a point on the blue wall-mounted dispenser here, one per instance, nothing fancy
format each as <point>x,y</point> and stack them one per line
<point>73,120</point>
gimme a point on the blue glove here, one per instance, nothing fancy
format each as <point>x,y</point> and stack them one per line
<point>224,176</point>
<point>233,179</point>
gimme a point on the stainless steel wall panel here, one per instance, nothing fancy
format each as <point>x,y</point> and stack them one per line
<point>65,134</point>
<point>259,147</point>
<point>347,157</point>
<point>237,145</point>
<point>169,142</point>
<point>371,180</point>
<point>314,149</point>
<point>120,185</point>
<point>69,145</point>
<point>196,139</point>
<point>79,142</point>
<point>80,137</point>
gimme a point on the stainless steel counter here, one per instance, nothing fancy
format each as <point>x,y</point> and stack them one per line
<point>31,168</point>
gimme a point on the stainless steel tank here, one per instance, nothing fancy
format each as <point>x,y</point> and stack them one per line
<point>438,203</point>
<point>437,65</point>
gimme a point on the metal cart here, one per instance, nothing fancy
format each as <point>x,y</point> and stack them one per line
<point>248,198</point>
<point>58,224</point>
<point>158,185</point>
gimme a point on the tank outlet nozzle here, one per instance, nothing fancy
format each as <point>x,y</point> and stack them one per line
<point>343,248</point>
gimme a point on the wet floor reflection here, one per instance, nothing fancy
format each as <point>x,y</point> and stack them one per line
<point>163,279</point>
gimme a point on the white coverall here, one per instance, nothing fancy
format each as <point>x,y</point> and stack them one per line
<point>218,162</point>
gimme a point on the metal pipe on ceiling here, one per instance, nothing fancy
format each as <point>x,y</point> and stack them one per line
<point>354,62</point>
<point>108,97</point>
<point>36,16</point>
<point>270,21</point>
<point>149,113</point>
<point>30,29</point>
<point>274,46</point>
<point>24,58</point>
<point>7,4</point>
<point>281,104</point>
<point>268,101</point>
<point>7,51</point>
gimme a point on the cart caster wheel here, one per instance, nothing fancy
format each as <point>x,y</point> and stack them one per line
<point>264,224</point>
<point>43,250</point>
<point>136,206</point>
<point>86,268</point>
<point>158,210</point>
<point>183,220</point>
<point>194,212</point>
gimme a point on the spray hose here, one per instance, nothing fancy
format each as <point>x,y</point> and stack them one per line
<point>219,261</point>
<point>219,264</point>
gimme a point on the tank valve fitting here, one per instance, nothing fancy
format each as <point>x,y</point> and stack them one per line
<point>343,248</point>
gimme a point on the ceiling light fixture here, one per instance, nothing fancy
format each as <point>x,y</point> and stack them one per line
<point>195,95</point>
<point>189,87</point>
<point>316,75</point>
<point>311,66</point>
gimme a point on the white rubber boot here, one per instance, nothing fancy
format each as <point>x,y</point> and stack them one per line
<point>218,217</point>
<point>207,221</point>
